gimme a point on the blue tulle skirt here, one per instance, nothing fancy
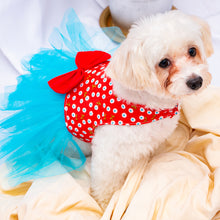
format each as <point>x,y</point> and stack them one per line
<point>34,140</point>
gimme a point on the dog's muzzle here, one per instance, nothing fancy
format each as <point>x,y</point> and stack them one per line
<point>195,83</point>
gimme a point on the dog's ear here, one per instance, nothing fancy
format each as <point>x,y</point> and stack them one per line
<point>129,66</point>
<point>206,35</point>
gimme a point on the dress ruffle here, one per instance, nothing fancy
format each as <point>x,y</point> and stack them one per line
<point>34,140</point>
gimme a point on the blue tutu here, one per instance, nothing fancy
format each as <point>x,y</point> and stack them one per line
<point>34,139</point>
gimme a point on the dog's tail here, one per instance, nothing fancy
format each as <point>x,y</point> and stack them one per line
<point>33,138</point>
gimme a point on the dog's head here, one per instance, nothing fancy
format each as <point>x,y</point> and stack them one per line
<point>164,55</point>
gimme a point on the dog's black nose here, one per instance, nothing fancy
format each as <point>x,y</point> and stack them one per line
<point>195,83</point>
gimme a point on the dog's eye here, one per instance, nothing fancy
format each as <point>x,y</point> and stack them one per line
<point>192,51</point>
<point>164,63</point>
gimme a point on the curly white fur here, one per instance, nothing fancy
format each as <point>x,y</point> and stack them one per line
<point>138,78</point>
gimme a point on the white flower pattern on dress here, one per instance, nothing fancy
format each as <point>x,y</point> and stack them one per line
<point>92,103</point>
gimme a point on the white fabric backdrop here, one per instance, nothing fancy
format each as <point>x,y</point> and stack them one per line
<point>26,25</point>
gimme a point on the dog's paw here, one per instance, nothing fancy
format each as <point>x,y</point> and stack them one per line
<point>102,196</point>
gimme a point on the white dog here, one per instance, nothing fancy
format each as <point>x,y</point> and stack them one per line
<point>162,60</point>
<point>125,107</point>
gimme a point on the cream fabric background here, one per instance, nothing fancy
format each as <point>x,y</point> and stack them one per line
<point>182,181</point>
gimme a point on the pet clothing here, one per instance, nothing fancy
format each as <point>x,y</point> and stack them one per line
<point>91,101</point>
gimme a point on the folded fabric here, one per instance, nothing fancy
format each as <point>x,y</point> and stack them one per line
<point>182,181</point>
<point>178,184</point>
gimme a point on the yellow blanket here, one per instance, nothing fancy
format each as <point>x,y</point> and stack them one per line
<point>181,182</point>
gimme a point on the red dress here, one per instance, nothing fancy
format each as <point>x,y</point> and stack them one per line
<point>92,103</point>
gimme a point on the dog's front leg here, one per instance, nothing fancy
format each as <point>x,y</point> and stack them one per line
<point>107,174</point>
<point>115,149</point>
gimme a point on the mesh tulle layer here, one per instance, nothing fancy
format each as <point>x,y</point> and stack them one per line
<point>34,140</point>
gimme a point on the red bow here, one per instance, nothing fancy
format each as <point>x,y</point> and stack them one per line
<point>84,60</point>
